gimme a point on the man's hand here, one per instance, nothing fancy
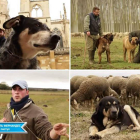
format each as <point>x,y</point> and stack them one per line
<point>3,120</point>
<point>88,33</point>
<point>61,129</point>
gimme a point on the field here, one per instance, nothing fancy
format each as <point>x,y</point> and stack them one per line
<point>80,122</point>
<point>57,105</point>
<point>116,48</point>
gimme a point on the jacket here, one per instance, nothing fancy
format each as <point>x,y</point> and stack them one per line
<point>92,24</point>
<point>37,122</point>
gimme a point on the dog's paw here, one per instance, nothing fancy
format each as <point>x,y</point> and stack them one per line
<point>96,136</point>
<point>136,128</point>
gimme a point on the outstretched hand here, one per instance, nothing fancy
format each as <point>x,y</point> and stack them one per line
<point>61,129</point>
<point>3,120</point>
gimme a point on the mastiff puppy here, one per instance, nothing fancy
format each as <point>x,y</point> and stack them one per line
<point>110,118</point>
<point>129,48</point>
<point>103,44</point>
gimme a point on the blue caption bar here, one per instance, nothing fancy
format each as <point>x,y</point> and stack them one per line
<point>12,127</point>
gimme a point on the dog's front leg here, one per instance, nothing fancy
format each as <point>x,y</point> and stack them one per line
<point>99,55</point>
<point>108,56</point>
<point>92,131</point>
<point>129,56</point>
<point>101,134</point>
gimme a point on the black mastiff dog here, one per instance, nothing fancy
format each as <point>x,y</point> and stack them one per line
<point>110,118</point>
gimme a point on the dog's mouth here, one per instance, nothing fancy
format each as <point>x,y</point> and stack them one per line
<point>51,44</point>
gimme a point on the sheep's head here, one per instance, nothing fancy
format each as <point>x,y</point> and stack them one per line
<point>75,104</point>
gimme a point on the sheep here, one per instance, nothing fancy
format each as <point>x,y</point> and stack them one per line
<point>118,84</point>
<point>113,93</point>
<point>133,89</point>
<point>90,90</point>
<point>75,83</point>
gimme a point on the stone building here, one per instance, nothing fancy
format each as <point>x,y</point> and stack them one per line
<point>4,12</point>
<point>40,9</point>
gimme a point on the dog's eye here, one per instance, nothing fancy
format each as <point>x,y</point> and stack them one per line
<point>107,105</point>
<point>38,25</point>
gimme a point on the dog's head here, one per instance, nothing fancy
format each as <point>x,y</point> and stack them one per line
<point>109,107</point>
<point>32,35</point>
<point>134,40</point>
<point>109,37</point>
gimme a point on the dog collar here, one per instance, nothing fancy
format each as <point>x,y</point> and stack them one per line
<point>14,55</point>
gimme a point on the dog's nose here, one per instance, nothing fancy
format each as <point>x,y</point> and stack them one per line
<point>114,112</point>
<point>55,37</point>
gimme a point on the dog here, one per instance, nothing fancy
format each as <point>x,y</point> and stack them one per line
<point>103,44</point>
<point>110,117</point>
<point>129,47</point>
<point>28,38</point>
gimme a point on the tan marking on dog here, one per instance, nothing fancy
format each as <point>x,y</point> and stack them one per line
<point>114,103</point>
<point>93,130</point>
<point>132,116</point>
<point>129,47</point>
<point>106,114</point>
<point>108,131</point>
<point>105,120</point>
<point>27,42</point>
<point>109,103</point>
<point>108,123</point>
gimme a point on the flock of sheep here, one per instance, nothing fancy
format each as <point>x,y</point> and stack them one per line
<point>86,90</point>
<point>117,35</point>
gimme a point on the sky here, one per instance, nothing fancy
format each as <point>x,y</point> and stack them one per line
<point>55,6</point>
<point>103,73</point>
<point>37,78</point>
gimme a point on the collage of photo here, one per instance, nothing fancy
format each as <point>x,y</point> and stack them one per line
<point>69,69</point>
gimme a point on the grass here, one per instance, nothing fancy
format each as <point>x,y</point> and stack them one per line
<point>116,48</point>
<point>80,123</point>
<point>57,103</point>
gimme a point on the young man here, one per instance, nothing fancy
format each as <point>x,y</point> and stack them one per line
<point>2,38</point>
<point>23,109</point>
<point>92,27</point>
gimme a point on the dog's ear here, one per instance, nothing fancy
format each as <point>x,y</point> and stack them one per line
<point>13,22</point>
<point>97,108</point>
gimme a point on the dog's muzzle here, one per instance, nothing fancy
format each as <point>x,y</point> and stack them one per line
<point>113,113</point>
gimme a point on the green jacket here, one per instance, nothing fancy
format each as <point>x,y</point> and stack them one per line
<point>37,122</point>
<point>87,25</point>
<point>134,34</point>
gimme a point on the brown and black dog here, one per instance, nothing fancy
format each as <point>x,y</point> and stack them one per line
<point>103,44</point>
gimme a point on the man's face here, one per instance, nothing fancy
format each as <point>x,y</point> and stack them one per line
<point>96,12</point>
<point>18,93</point>
<point>1,33</point>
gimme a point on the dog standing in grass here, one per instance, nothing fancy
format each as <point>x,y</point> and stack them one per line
<point>129,47</point>
<point>103,44</point>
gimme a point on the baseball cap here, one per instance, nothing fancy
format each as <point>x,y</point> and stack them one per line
<point>21,83</point>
